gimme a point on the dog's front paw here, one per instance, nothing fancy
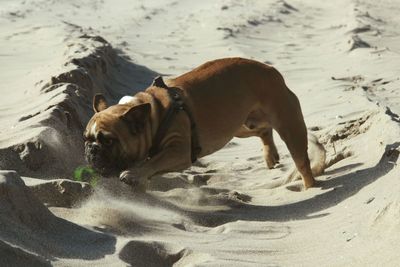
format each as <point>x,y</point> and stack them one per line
<point>131,178</point>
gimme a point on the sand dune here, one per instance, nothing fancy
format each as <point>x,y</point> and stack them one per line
<point>340,58</point>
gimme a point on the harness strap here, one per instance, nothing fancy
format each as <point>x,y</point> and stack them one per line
<point>177,105</point>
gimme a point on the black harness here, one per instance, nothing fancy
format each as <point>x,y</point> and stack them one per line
<point>177,105</point>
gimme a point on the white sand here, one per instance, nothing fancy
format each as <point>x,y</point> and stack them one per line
<point>341,58</point>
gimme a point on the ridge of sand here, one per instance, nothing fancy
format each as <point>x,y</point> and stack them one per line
<point>340,58</point>
<point>44,138</point>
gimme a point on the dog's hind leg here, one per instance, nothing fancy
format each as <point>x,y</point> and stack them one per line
<point>256,125</point>
<point>300,158</point>
<point>270,152</point>
<point>295,137</point>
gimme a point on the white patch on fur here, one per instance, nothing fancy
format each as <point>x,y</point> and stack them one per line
<point>126,99</point>
<point>93,129</point>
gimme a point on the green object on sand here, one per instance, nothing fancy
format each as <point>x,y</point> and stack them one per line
<point>86,174</point>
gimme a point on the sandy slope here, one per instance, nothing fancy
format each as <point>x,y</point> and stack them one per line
<point>340,58</point>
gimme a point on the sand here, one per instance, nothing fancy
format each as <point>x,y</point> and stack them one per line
<point>340,58</point>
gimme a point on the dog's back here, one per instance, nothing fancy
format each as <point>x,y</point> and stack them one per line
<point>222,93</point>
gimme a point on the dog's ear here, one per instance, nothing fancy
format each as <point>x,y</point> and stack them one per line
<point>137,116</point>
<point>99,103</point>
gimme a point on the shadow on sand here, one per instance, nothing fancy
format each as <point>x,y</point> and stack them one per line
<point>342,187</point>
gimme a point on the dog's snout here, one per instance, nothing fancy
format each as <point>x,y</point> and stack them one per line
<point>96,156</point>
<point>94,147</point>
<point>93,153</point>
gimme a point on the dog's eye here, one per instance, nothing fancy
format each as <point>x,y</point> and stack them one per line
<point>87,138</point>
<point>108,141</point>
<point>105,139</point>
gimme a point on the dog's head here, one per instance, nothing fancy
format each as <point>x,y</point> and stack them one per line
<point>116,137</point>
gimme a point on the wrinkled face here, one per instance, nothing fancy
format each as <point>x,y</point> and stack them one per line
<point>103,150</point>
<point>114,136</point>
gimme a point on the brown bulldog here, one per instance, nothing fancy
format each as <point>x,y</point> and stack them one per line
<point>170,125</point>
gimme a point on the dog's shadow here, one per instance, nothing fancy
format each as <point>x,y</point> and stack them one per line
<point>341,188</point>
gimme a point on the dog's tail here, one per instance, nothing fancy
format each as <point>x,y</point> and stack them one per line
<point>317,155</point>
